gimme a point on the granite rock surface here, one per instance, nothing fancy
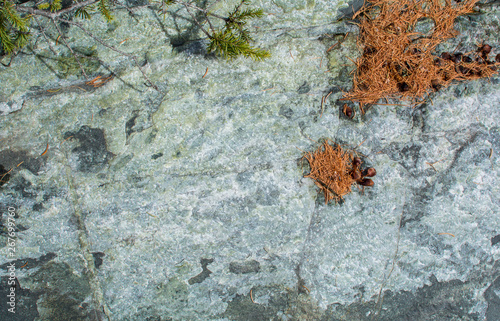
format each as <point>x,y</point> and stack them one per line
<point>189,202</point>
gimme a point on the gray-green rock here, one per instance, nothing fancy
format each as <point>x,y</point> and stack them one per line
<point>189,202</point>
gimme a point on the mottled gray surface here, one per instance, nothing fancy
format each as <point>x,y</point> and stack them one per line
<point>189,203</point>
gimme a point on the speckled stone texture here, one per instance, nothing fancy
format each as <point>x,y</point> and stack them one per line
<point>189,203</point>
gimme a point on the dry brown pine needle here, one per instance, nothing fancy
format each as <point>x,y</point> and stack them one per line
<point>398,61</point>
<point>331,168</point>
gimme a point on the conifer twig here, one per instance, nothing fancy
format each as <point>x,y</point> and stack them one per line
<point>206,12</point>
<point>230,40</point>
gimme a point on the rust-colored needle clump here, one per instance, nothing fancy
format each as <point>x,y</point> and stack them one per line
<point>334,170</point>
<point>399,39</point>
<point>331,169</point>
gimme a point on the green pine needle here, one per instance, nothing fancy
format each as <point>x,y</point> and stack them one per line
<point>249,14</point>
<point>7,41</point>
<point>231,41</point>
<point>13,28</point>
<point>104,9</point>
<point>229,45</point>
<point>234,40</point>
<point>43,6</point>
<point>55,5</point>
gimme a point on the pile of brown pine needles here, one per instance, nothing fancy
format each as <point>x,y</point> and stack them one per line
<point>398,61</point>
<point>331,169</point>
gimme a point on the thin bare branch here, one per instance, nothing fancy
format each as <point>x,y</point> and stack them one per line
<point>196,21</point>
<point>99,40</point>
<point>70,49</point>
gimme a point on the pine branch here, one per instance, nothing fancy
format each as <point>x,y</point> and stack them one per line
<point>230,41</point>
<point>233,40</point>
<point>104,9</point>
<point>230,45</point>
<point>55,5</point>
<point>14,19</point>
<point>13,29</point>
<point>206,12</point>
<point>80,10</point>
<point>7,41</point>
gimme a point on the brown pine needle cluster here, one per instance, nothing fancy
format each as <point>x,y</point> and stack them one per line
<point>331,169</point>
<point>399,59</point>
